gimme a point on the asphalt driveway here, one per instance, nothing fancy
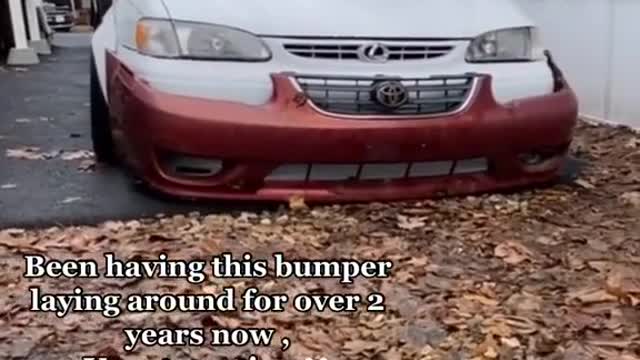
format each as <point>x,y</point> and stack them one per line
<point>46,173</point>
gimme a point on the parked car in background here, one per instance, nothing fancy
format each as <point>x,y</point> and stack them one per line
<point>97,11</point>
<point>59,14</point>
<point>331,100</point>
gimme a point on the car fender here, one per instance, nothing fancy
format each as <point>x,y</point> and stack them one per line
<point>103,40</point>
<point>118,28</point>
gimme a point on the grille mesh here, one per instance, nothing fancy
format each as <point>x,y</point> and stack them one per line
<point>356,95</point>
<point>364,172</point>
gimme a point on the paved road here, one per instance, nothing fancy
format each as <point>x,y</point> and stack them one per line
<point>47,107</point>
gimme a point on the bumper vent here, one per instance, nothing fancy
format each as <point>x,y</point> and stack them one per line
<point>351,50</point>
<point>436,95</point>
<point>390,171</point>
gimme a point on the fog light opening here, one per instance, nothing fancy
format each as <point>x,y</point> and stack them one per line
<point>531,159</point>
<point>192,167</point>
<point>541,160</point>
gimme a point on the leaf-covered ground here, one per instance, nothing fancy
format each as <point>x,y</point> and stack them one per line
<point>544,274</point>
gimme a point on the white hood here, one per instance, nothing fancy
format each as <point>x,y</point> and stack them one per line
<point>355,18</point>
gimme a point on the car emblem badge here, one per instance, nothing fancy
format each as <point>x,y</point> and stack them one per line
<point>390,94</point>
<point>374,53</point>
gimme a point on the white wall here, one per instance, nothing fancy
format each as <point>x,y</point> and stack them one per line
<point>597,44</point>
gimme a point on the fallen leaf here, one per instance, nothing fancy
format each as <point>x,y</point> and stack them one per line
<point>71,200</point>
<point>631,198</point>
<point>548,241</point>
<point>88,165</point>
<point>619,344</point>
<point>409,223</point>
<point>420,333</point>
<point>585,184</point>
<point>591,295</point>
<point>512,342</point>
<point>77,155</point>
<point>26,153</point>
<point>622,282</point>
<point>481,299</point>
<point>512,253</point>
<point>355,347</point>
<point>633,143</point>
<point>297,202</point>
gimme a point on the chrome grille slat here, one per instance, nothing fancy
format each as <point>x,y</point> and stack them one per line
<point>421,88</point>
<point>355,95</point>
<point>348,50</point>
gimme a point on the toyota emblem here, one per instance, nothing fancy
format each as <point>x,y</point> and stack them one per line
<point>391,94</point>
<point>374,53</point>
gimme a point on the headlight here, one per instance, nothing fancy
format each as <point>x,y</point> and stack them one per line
<point>517,44</point>
<point>164,38</point>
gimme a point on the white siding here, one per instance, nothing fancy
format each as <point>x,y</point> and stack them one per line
<point>597,44</point>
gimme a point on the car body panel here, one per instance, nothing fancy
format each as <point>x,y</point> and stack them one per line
<point>250,83</point>
<point>254,141</point>
<point>355,18</point>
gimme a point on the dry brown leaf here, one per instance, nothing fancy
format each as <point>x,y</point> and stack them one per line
<point>617,344</point>
<point>77,155</point>
<point>513,253</point>
<point>511,342</point>
<point>591,295</point>
<point>633,143</point>
<point>26,153</point>
<point>481,299</point>
<point>71,200</point>
<point>622,282</point>
<point>297,202</point>
<point>585,184</point>
<point>631,198</point>
<point>408,223</point>
<point>354,347</point>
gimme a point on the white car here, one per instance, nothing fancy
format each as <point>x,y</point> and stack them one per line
<point>330,100</point>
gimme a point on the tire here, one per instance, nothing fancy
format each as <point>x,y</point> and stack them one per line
<point>101,135</point>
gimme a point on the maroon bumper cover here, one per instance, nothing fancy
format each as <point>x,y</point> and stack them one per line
<point>251,142</point>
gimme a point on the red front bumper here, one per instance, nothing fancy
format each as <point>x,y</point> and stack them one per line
<point>253,141</point>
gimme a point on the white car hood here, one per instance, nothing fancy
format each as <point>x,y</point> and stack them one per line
<point>355,18</point>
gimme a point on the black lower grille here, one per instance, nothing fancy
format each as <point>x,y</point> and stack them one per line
<point>377,171</point>
<point>361,95</point>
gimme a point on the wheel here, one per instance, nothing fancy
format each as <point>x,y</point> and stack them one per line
<point>101,135</point>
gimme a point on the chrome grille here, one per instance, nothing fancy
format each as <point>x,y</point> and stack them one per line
<point>350,50</point>
<point>356,95</point>
<point>371,171</point>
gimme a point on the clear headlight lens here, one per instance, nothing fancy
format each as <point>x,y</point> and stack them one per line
<point>517,44</point>
<point>163,38</point>
<point>157,38</point>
